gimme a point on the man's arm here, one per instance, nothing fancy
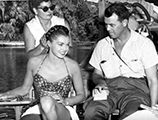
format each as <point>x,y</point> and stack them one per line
<point>98,79</point>
<point>153,84</point>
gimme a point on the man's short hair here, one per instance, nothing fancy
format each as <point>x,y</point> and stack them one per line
<point>119,9</point>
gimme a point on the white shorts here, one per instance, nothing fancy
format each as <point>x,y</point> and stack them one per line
<point>35,110</point>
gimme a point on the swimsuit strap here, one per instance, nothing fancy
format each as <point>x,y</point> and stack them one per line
<point>66,67</point>
<point>42,63</point>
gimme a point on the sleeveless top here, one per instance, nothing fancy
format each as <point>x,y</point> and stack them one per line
<point>37,30</point>
<point>42,87</point>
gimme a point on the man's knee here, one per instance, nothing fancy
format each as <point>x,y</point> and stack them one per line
<point>95,113</point>
<point>89,111</point>
<point>130,108</point>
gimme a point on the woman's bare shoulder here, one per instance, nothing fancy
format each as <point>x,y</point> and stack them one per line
<point>34,61</point>
<point>71,62</point>
<point>72,65</point>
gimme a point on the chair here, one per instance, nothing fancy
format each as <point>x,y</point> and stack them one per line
<point>115,113</point>
<point>19,108</point>
<point>31,96</point>
<point>16,105</point>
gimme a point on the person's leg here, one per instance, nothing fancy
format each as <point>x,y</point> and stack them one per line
<point>98,110</point>
<point>32,117</point>
<point>52,109</point>
<point>130,103</point>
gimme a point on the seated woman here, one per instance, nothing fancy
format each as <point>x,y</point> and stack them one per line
<point>53,75</point>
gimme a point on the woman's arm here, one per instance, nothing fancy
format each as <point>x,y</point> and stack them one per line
<point>78,85</point>
<point>29,40</point>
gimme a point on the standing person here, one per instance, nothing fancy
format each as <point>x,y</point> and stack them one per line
<point>125,69</point>
<point>53,76</point>
<point>35,29</point>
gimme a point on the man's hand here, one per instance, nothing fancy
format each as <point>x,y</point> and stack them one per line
<point>100,92</point>
<point>101,87</point>
<point>153,109</point>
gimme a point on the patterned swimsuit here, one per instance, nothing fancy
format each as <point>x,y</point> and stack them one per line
<point>42,87</point>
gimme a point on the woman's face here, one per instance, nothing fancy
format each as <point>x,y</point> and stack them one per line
<point>45,10</point>
<point>60,46</point>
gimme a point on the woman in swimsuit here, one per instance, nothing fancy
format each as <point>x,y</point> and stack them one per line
<point>53,76</point>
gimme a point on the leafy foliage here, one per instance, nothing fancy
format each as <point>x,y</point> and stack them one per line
<point>83,19</point>
<point>13,16</point>
<point>81,15</point>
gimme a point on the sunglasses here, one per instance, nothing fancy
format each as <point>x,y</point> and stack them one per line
<point>45,8</point>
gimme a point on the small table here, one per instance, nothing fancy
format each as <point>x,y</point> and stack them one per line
<point>17,106</point>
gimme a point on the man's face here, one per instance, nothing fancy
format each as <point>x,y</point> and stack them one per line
<point>114,26</point>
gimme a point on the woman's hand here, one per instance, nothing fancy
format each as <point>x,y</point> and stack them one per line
<point>43,41</point>
<point>3,96</point>
<point>43,44</point>
<point>6,96</point>
<point>57,97</point>
<point>66,102</point>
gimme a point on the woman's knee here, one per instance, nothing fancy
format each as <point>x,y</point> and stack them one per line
<point>47,104</point>
<point>32,117</point>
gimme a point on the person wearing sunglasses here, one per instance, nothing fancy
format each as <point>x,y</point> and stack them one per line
<point>45,8</point>
<point>35,29</point>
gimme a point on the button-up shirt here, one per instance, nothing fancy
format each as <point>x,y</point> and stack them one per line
<point>138,54</point>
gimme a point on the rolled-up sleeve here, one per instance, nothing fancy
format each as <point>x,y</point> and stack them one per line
<point>149,54</point>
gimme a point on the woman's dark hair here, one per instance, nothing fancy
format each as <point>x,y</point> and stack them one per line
<point>35,4</point>
<point>56,31</point>
<point>119,9</point>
